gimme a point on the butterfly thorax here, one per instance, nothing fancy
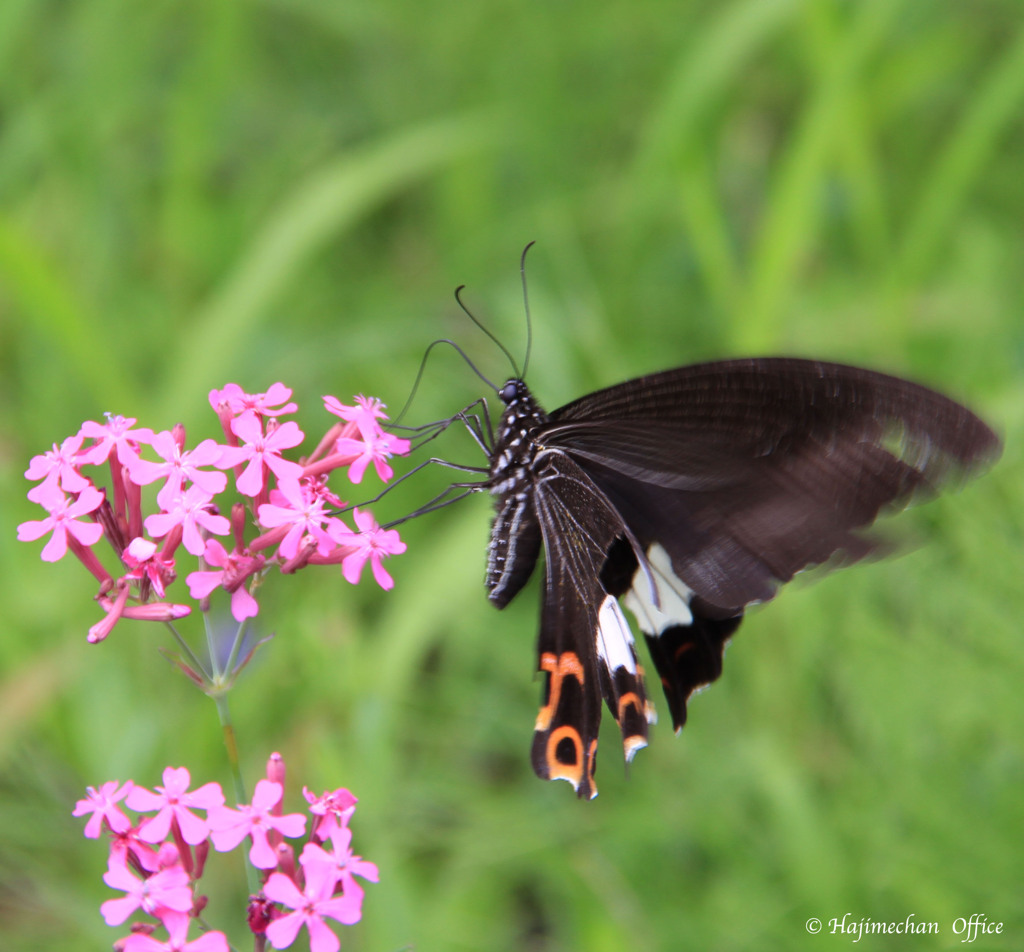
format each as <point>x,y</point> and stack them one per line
<point>515,533</point>
<point>514,448</point>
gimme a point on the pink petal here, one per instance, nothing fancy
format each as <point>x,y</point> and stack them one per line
<point>286,436</point>
<point>178,898</point>
<point>282,932</point>
<point>88,533</point>
<point>292,825</point>
<point>321,938</point>
<point>176,780</point>
<point>352,566</point>
<point>384,580</point>
<point>384,470</point>
<point>155,829</point>
<point>118,876</point>
<point>251,480</point>
<point>200,584</point>
<point>346,909</point>
<point>225,840</point>
<point>34,529</point>
<point>212,483</point>
<point>115,911</point>
<point>160,523</point>
<point>247,427</point>
<point>143,800</point>
<point>209,942</point>
<point>243,605</point>
<point>193,830</point>
<point>57,547</point>
<point>266,796</point>
<point>366,869</point>
<point>232,456</point>
<point>280,888</point>
<point>206,797</point>
<point>262,855</point>
<point>364,520</point>
<point>357,469</point>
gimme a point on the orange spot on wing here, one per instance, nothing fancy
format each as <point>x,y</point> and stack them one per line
<point>681,650</point>
<point>559,769</point>
<point>630,698</point>
<point>557,667</point>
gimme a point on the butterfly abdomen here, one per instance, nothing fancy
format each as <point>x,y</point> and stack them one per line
<point>515,533</point>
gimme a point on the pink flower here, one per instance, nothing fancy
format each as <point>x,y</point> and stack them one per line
<point>128,842</point>
<point>58,465</point>
<point>62,520</point>
<point>376,450</point>
<point>261,450</point>
<point>177,928</point>
<point>310,907</point>
<point>371,543</point>
<point>334,809</point>
<point>345,863</point>
<point>292,505</point>
<point>174,802</point>
<point>233,568</point>
<point>141,557</point>
<point>190,510</point>
<point>229,827</point>
<point>102,804</point>
<point>114,435</point>
<point>365,414</point>
<point>166,889</point>
<point>238,401</point>
<point>180,465</point>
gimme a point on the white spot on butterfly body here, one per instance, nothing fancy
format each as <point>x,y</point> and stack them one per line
<point>673,595</point>
<point>614,637</point>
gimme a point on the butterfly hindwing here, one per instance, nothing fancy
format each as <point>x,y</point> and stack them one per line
<point>685,637</point>
<point>585,648</point>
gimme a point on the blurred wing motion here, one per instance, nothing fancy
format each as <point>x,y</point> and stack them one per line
<point>687,496</point>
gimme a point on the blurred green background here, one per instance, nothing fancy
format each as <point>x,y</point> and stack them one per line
<point>200,192</point>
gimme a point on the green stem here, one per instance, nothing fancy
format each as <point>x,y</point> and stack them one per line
<point>231,746</point>
<point>197,665</point>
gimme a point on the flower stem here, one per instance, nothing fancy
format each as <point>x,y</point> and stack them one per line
<point>197,665</point>
<point>231,747</point>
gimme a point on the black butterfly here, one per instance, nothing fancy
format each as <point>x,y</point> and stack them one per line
<point>687,496</point>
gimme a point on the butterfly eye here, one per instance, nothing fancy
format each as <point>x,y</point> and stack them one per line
<point>509,392</point>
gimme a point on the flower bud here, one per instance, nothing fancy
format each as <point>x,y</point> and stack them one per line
<point>276,769</point>
<point>259,914</point>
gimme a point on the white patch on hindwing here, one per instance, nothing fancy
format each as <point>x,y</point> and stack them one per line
<point>673,595</point>
<point>614,637</point>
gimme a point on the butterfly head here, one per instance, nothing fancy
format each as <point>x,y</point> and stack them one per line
<point>513,391</point>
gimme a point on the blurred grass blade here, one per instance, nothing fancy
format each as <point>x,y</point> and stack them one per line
<point>710,64</point>
<point>791,218</point>
<point>322,207</point>
<point>996,104</point>
<point>668,157</point>
<point>68,330</point>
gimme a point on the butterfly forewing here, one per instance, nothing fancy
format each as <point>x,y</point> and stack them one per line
<point>689,495</point>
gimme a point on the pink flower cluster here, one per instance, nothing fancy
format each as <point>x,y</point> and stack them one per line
<point>287,499</point>
<point>157,860</point>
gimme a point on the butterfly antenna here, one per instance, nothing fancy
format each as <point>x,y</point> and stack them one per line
<point>423,364</point>
<point>526,306</point>
<point>473,318</point>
